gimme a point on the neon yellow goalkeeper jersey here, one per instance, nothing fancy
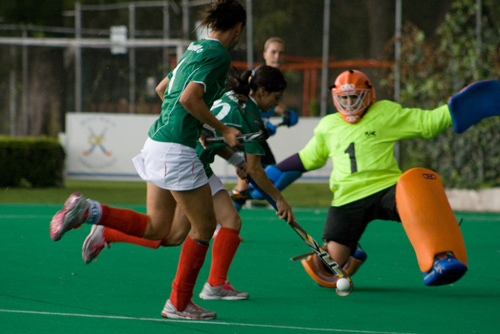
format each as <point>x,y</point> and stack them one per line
<point>363,153</point>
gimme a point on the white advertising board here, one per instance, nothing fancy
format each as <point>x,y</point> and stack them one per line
<point>102,145</point>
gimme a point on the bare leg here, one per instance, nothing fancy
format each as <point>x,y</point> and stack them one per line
<point>340,253</point>
<point>180,228</point>
<point>226,214</point>
<point>197,205</point>
<point>161,207</point>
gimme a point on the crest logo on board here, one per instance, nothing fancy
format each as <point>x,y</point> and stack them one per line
<point>96,153</point>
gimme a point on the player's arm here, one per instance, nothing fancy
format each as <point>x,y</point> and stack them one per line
<point>279,109</point>
<point>464,109</point>
<point>162,87</point>
<point>254,168</point>
<point>315,154</point>
<point>287,171</point>
<point>192,100</point>
<point>414,122</point>
<point>234,159</point>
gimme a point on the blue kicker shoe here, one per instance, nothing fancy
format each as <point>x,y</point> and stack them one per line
<point>444,271</point>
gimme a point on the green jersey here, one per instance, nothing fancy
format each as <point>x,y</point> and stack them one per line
<point>228,111</point>
<point>363,153</point>
<point>205,62</point>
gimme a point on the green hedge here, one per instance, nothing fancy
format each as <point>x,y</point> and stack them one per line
<point>35,162</point>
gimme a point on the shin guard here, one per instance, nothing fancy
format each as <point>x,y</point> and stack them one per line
<point>428,219</point>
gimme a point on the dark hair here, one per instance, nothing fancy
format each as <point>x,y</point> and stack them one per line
<point>268,77</point>
<point>223,15</point>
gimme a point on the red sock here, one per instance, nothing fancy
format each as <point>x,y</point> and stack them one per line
<point>190,262</point>
<point>223,250</point>
<point>124,220</point>
<point>111,235</point>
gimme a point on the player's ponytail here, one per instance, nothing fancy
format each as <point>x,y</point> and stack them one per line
<point>240,85</point>
<point>267,77</point>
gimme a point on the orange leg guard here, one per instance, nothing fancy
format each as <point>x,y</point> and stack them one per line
<point>427,218</point>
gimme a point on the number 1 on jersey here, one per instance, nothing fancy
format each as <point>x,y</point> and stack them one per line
<point>352,157</point>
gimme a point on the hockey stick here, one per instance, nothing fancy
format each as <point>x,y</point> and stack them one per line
<point>249,137</point>
<point>313,244</point>
<point>301,256</point>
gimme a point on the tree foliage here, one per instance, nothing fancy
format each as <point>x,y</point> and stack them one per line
<point>434,71</point>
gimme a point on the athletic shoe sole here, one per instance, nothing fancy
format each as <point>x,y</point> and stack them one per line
<point>66,219</point>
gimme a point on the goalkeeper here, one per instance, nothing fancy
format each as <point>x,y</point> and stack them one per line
<point>367,183</point>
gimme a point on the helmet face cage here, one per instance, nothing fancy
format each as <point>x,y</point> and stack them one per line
<point>357,101</point>
<point>352,95</point>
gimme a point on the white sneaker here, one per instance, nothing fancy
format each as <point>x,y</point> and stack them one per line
<point>93,244</point>
<point>70,217</point>
<point>223,291</point>
<point>192,311</point>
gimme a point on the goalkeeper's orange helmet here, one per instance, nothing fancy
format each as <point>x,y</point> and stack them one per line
<point>353,94</point>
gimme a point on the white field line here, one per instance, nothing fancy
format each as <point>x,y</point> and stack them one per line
<point>205,322</point>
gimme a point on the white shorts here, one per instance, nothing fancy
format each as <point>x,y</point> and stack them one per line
<point>216,184</point>
<point>170,166</point>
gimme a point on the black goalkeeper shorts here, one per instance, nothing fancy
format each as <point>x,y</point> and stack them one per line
<point>345,224</point>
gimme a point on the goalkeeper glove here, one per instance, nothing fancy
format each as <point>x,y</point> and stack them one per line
<point>290,118</point>
<point>271,128</point>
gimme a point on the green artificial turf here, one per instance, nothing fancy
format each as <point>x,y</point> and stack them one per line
<point>46,288</point>
<point>113,192</point>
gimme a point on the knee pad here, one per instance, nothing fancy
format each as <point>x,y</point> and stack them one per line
<point>428,219</point>
<point>280,179</point>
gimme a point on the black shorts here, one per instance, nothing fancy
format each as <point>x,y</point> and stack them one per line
<point>345,224</point>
